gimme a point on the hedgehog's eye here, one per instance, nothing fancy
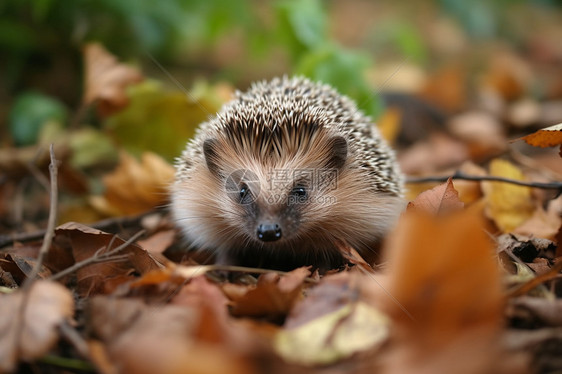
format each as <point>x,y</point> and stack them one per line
<point>244,193</point>
<point>299,191</point>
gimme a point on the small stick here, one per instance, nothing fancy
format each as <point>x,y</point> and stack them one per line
<point>104,225</point>
<point>97,257</point>
<point>462,176</point>
<point>50,232</point>
<point>522,289</point>
<point>75,339</point>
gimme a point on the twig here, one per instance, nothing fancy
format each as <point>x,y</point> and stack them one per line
<point>491,178</point>
<point>50,233</point>
<point>98,257</point>
<point>110,224</point>
<point>75,339</point>
<point>553,273</point>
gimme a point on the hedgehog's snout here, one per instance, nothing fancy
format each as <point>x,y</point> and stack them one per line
<point>269,232</point>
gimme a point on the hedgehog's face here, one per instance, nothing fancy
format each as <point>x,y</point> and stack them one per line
<point>271,210</point>
<point>278,204</point>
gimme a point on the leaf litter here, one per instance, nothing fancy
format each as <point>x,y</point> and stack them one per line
<point>448,297</point>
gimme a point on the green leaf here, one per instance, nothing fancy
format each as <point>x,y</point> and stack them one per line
<point>301,25</point>
<point>344,70</point>
<point>30,112</point>
<point>159,121</point>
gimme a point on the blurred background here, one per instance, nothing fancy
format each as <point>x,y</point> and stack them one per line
<point>446,80</point>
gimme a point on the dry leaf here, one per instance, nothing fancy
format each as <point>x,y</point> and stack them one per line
<point>547,137</point>
<point>441,199</point>
<point>166,338</point>
<point>443,263</point>
<point>335,321</point>
<point>161,341</point>
<point>447,295</point>
<point>273,295</point>
<point>353,328</point>
<point>524,112</point>
<point>508,205</point>
<point>133,187</point>
<point>389,124</point>
<point>107,80</point>
<point>105,276</point>
<point>536,311</point>
<point>543,224</point>
<point>158,242</point>
<point>508,75</point>
<point>445,88</point>
<point>28,328</point>
<point>439,152</point>
<point>482,132</point>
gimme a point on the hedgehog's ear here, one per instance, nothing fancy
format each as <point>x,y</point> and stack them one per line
<point>210,147</point>
<point>338,152</point>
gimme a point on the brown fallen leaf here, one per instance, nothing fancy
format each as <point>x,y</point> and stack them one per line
<point>547,137</point>
<point>106,80</point>
<point>536,311</point>
<point>445,88</point>
<point>443,263</point>
<point>160,342</point>
<point>437,153</point>
<point>108,317</point>
<point>447,293</point>
<point>158,242</point>
<point>482,132</point>
<point>507,205</point>
<point>135,187</point>
<point>508,74</point>
<point>543,223</point>
<point>273,296</point>
<point>28,327</point>
<point>158,339</point>
<point>105,276</point>
<point>20,267</point>
<point>441,199</point>
<point>525,248</point>
<point>558,241</point>
<point>207,297</point>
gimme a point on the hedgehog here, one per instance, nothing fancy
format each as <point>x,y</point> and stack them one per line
<point>283,176</point>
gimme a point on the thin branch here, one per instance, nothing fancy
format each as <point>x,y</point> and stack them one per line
<point>522,289</point>
<point>108,225</point>
<point>50,232</point>
<point>99,257</point>
<point>75,339</point>
<point>478,178</point>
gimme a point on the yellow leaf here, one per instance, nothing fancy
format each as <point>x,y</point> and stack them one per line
<point>508,205</point>
<point>134,187</point>
<point>389,124</point>
<point>353,328</point>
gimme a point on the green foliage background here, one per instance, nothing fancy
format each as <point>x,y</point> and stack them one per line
<point>41,41</point>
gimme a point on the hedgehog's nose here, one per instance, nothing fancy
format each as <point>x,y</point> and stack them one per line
<point>269,232</point>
